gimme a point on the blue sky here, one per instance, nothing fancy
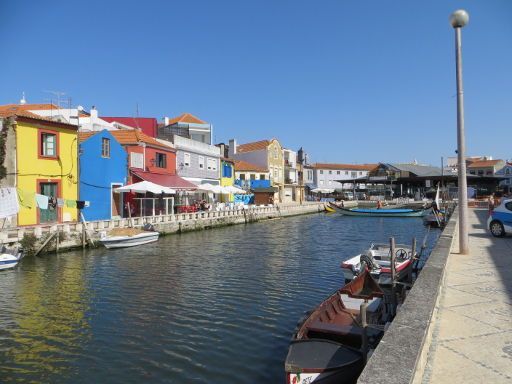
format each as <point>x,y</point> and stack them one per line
<point>350,81</point>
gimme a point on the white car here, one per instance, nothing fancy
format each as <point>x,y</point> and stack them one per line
<point>500,219</point>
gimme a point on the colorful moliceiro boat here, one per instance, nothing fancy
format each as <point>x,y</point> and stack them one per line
<point>377,259</point>
<point>372,212</point>
<point>329,345</point>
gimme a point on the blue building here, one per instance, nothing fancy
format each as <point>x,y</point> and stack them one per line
<point>103,167</point>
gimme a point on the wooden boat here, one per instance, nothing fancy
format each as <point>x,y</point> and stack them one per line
<point>10,257</point>
<point>329,344</point>
<point>378,261</point>
<point>382,212</point>
<point>128,237</point>
<point>329,209</point>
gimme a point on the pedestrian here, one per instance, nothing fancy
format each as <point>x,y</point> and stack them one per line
<point>491,203</point>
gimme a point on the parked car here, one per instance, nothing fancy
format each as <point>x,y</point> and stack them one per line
<point>500,219</point>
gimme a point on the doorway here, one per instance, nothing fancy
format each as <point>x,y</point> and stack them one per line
<point>49,215</point>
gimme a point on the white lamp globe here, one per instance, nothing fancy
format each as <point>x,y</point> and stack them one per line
<point>459,18</point>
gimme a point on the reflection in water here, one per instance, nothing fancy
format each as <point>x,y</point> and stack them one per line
<point>43,317</point>
<point>214,306</point>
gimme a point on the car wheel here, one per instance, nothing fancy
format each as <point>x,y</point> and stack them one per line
<point>497,229</point>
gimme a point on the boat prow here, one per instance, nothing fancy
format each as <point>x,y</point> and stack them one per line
<point>9,258</point>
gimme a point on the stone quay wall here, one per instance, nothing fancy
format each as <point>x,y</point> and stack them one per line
<point>71,235</point>
<point>400,357</point>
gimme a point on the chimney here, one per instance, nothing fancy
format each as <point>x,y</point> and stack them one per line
<point>232,148</point>
<point>94,113</point>
<point>166,121</point>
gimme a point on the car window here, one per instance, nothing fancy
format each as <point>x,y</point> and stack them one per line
<point>509,205</point>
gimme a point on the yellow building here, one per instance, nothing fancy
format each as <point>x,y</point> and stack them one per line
<point>267,154</point>
<point>227,175</point>
<point>45,163</point>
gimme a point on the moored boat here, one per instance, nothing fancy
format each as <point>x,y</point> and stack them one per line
<point>128,237</point>
<point>330,345</point>
<point>379,212</point>
<point>378,261</point>
<point>10,257</point>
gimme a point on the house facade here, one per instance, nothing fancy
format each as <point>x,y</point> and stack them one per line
<point>506,171</point>
<point>188,126</point>
<point>291,179</point>
<point>44,162</point>
<point>251,176</point>
<point>332,176</point>
<point>196,162</point>
<point>484,167</point>
<point>268,155</point>
<point>101,151</point>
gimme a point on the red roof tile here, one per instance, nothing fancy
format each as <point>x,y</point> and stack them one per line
<point>186,118</point>
<point>126,137</point>
<point>20,110</point>
<point>241,165</point>
<point>148,125</point>
<point>484,163</point>
<point>254,146</point>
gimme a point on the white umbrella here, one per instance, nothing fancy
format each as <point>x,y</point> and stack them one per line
<point>145,186</point>
<point>207,187</point>
<point>233,189</point>
<point>322,190</point>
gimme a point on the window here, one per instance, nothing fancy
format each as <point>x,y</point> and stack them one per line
<point>48,144</point>
<point>509,205</point>
<point>338,172</point>
<point>321,172</point>
<point>353,174</point>
<point>211,164</point>
<point>472,172</point>
<point>330,172</point>
<point>360,173</point>
<point>227,170</point>
<point>488,173</point>
<point>186,159</point>
<point>105,147</point>
<point>201,163</point>
<point>242,176</point>
<point>136,160</point>
<point>321,182</point>
<point>253,176</point>
<point>275,153</point>
<point>262,177</point>
<point>507,171</point>
<point>161,160</point>
<point>346,172</point>
<point>480,172</point>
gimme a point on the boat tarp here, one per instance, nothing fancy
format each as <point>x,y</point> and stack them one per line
<point>319,354</point>
<point>382,210</point>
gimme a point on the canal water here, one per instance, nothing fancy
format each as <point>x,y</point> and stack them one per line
<point>215,306</point>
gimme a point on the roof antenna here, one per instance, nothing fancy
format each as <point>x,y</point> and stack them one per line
<point>23,101</point>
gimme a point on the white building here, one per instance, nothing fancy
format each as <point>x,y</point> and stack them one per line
<point>187,125</point>
<point>328,176</point>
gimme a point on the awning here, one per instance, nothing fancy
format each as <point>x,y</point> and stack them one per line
<point>146,186</point>
<point>171,181</point>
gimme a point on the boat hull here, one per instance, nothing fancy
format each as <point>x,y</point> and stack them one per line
<point>380,212</point>
<point>323,362</point>
<point>129,241</point>
<point>8,261</point>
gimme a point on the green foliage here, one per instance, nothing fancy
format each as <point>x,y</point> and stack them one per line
<point>29,243</point>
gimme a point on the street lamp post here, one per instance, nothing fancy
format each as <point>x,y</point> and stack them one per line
<point>459,19</point>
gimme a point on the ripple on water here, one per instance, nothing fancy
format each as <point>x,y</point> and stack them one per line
<point>214,306</point>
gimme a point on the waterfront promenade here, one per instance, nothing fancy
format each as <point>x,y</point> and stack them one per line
<point>472,327</point>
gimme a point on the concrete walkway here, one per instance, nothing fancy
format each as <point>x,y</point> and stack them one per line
<point>472,335</point>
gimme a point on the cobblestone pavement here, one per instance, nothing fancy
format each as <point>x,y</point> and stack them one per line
<point>472,336</point>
